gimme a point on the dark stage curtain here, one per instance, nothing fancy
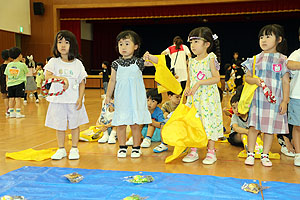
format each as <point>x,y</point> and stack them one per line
<point>74,27</point>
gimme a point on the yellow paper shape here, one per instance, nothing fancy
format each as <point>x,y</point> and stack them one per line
<point>31,154</point>
<point>165,78</point>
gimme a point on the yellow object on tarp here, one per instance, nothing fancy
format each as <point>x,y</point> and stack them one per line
<point>165,78</point>
<point>231,84</point>
<point>31,154</point>
<point>247,94</point>
<point>94,133</point>
<point>184,129</point>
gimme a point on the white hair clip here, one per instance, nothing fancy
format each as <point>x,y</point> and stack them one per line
<point>215,36</point>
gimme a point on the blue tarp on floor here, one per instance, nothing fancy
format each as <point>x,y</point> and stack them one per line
<point>43,183</point>
<point>281,190</point>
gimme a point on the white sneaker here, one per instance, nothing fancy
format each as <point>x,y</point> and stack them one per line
<point>7,114</point>
<point>146,143</point>
<point>112,139</point>
<point>104,138</point>
<point>209,159</point>
<point>74,154</point>
<point>59,154</point>
<point>250,159</point>
<point>160,148</point>
<point>19,115</point>
<point>122,153</point>
<point>265,161</point>
<point>297,160</point>
<point>25,101</point>
<point>12,114</point>
<point>191,157</point>
<point>136,153</point>
<point>37,101</point>
<point>286,152</point>
<point>129,141</point>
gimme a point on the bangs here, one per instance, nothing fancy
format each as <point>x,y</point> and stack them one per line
<point>64,35</point>
<point>267,30</point>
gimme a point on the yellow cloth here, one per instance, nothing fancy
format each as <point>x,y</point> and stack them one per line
<point>31,154</point>
<point>165,78</point>
<point>94,133</point>
<point>183,130</point>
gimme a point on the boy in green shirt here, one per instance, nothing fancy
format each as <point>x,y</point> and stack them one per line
<point>15,80</point>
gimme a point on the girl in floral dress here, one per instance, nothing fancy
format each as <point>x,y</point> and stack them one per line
<point>202,89</point>
<point>267,113</point>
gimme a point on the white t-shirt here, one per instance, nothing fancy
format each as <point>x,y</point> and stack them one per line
<point>73,71</point>
<point>295,75</point>
<point>180,64</point>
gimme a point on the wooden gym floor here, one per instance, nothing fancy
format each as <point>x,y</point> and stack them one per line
<point>30,132</point>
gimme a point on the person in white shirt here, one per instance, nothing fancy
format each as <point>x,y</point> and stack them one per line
<point>66,110</point>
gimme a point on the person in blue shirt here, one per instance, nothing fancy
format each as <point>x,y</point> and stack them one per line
<point>151,132</point>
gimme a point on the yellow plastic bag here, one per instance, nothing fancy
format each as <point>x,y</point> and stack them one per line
<point>165,78</point>
<point>247,94</point>
<point>94,133</point>
<point>183,130</point>
<point>231,84</point>
<point>31,154</point>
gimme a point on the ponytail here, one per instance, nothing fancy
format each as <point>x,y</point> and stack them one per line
<point>178,42</point>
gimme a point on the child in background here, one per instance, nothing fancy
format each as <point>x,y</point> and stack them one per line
<point>294,105</point>
<point>6,59</point>
<point>30,83</point>
<point>66,110</point>
<point>39,78</point>
<point>15,80</point>
<point>105,74</point>
<point>151,132</point>
<point>267,112</point>
<point>202,89</point>
<point>171,105</point>
<point>129,90</point>
<point>105,118</point>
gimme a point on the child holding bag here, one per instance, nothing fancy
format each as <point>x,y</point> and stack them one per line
<point>267,112</point>
<point>202,85</point>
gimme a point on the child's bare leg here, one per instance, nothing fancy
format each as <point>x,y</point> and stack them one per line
<point>150,131</point>
<point>268,139</point>
<point>60,138</point>
<point>211,144</point>
<point>5,99</point>
<point>121,132</point>
<point>75,137</point>
<point>136,134</point>
<point>18,103</point>
<point>252,135</point>
<point>296,138</point>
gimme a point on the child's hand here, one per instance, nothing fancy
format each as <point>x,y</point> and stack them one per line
<point>146,56</point>
<point>258,82</point>
<point>66,85</point>
<point>282,107</point>
<point>107,100</point>
<point>194,88</point>
<point>187,92</point>
<point>79,104</point>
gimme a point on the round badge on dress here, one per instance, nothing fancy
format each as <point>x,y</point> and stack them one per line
<point>277,67</point>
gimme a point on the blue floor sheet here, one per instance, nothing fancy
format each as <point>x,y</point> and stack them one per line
<point>43,183</point>
<point>281,190</point>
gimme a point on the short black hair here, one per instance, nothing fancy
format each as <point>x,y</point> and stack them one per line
<point>40,64</point>
<point>106,63</point>
<point>5,54</point>
<point>70,37</point>
<point>14,52</point>
<point>153,94</point>
<point>48,58</point>
<point>170,93</point>
<point>128,34</point>
<point>236,98</point>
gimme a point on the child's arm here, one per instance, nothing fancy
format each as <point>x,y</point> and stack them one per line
<point>49,75</point>
<point>155,123</point>
<point>286,93</point>
<point>240,130</point>
<point>249,79</point>
<point>147,56</point>
<point>111,86</point>
<point>293,65</point>
<point>81,93</point>
<point>210,81</point>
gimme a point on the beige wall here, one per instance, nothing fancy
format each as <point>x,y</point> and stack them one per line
<point>13,14</point>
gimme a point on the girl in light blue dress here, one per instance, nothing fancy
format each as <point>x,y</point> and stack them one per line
<point>129,91</point>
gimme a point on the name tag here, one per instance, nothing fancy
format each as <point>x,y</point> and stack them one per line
<point>277,67</point>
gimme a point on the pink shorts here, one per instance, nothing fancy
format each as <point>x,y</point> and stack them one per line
<point>61,116</point>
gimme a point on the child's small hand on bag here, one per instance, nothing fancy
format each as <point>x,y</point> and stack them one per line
<point>258,82</point>
<point>79,104</point>
<point>66,85</point>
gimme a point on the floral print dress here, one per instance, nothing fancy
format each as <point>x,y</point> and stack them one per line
<point>207,97</point>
